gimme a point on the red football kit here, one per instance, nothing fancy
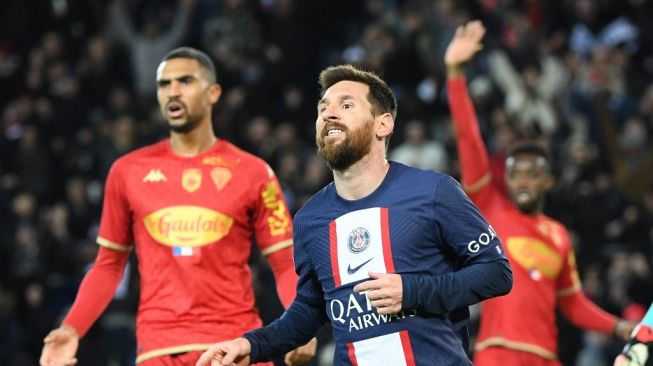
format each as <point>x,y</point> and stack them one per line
<point>191,221</point>
<point>522,323</point>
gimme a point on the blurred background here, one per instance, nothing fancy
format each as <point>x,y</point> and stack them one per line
<point>77,90</point>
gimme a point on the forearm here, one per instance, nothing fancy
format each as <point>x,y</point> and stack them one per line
<point>298,325</point>
<point>583,313</point>
<point>96,290</point>
<point>474,159</point>
<point>281,263</point>
<point>444,293</point>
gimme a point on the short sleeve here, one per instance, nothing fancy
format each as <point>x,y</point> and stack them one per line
<point>116,222</point>
<point>272,220</point>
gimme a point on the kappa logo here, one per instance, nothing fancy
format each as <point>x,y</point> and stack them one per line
<point>155,175</point>
<point>351,271</point>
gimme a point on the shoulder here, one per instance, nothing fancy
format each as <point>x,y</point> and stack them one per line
<point>421,179</point>
<point>248,161</point>
<point>316,204</point>
<point>137,156</point>
<point>558,233</point>
<point>555,224</point>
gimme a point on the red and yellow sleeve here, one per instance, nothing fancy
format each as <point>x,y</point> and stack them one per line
<point>273,231</point>
<point>116,223</point>
<point>576,307</point>
<point>474,159</point>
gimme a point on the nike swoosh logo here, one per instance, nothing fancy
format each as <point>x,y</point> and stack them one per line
<point>351,271</point>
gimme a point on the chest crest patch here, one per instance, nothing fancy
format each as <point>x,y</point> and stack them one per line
<point>191,179</point>
<point>220,177</point>
<point>359,240</point>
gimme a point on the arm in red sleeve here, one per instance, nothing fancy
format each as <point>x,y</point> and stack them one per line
<point>583,313</point>
<point>474,159</point>
<point>282,266</point>
<point>97,289</point>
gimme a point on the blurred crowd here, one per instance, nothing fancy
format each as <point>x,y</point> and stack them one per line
<point>78,90</point>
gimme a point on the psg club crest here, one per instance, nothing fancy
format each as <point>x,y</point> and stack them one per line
<point>359,240</point>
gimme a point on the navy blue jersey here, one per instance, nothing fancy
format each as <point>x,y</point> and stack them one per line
<point>419,224</point>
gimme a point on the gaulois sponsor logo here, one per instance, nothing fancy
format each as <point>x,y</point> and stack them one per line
<point>191,226</point>
<point>532,254</point>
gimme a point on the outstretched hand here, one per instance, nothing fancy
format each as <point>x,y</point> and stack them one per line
<point>229,353</point>
<point>384,291</point>
<point>465,44</point>
<point>60,347</point>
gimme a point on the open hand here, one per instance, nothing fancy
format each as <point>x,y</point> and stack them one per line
<point>465,44</point>
<point>60,347</point>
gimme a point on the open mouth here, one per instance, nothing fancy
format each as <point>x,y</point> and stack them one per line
<point>333,130</point>
<point>523,196</point>
<point>176,109</point>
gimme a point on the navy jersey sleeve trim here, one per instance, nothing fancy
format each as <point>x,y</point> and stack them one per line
<point>298,324</point>
<point>444,293</point>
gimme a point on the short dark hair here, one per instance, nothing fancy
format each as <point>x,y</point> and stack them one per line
<point>192,53</point>
<point>380,96</point>
<point>531,148</point>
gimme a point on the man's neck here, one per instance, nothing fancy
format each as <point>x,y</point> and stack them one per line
<point>193,142</point>
<point>361,179</point>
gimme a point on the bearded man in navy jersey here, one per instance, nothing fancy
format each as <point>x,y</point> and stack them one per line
<point>391,255</point>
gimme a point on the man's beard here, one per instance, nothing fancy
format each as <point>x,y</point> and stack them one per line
<point>184,127</point>
<point>341,156</point>
<point>187,126</point>
<point>530,207</point>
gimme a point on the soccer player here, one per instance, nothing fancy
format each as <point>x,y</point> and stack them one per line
<point>520,328</point>
<point>637,350</point>
<point>189,206</point>
<point>390,255</point>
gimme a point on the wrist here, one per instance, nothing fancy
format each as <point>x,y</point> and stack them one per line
<point>455,70</point>
<point>70,330</point>
<point>245,345</point>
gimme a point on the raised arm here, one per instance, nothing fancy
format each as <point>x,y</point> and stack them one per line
<point>474,159</point>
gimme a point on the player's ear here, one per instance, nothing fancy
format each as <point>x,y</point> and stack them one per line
<point>215,91</point>
<point>549,182</point>
<point>385,124</point>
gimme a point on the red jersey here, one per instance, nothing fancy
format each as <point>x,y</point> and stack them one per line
<point>191,221</point>
<point>538,248</point>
